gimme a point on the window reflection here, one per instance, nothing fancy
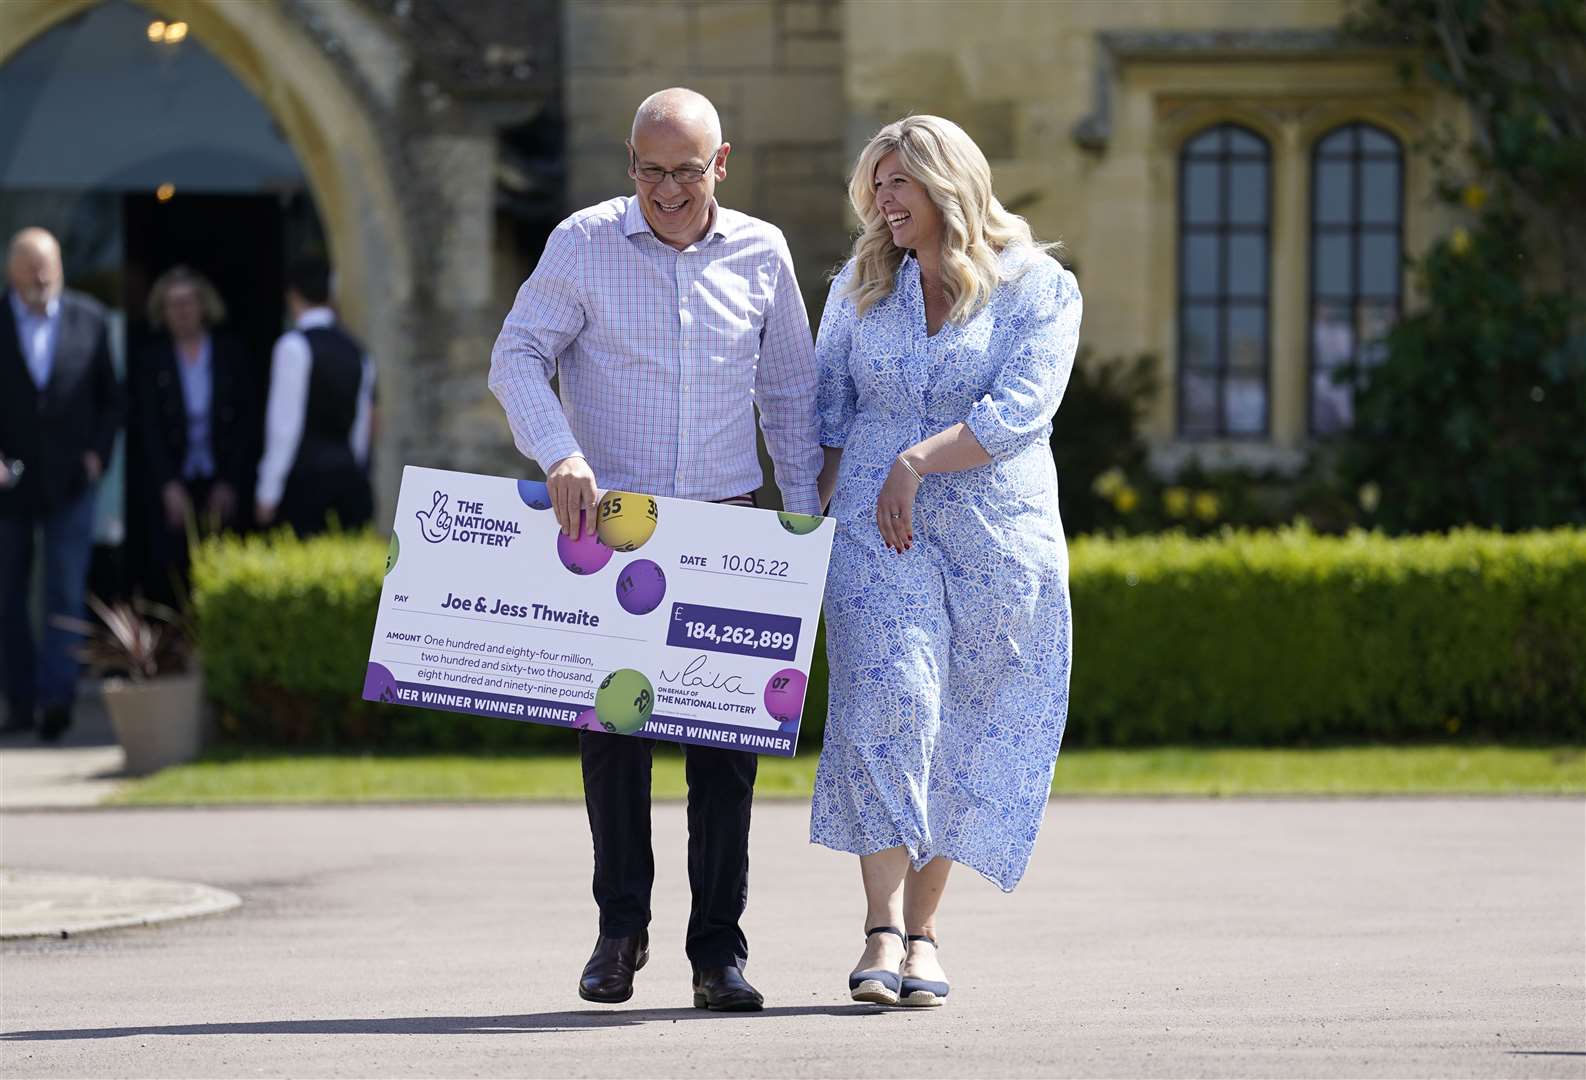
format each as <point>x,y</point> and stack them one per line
<point>1357,181</point>
<point>1225,207</point>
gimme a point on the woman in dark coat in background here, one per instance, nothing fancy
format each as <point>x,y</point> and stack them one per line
<point>198,417</point>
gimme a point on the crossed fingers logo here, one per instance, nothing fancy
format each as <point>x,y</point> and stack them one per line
<point>435,523</point>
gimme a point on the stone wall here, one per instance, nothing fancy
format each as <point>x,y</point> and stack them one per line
<point>1081,107</point>
<point>773,68</point>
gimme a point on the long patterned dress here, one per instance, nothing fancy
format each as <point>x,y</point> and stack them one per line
<point>949,662</point>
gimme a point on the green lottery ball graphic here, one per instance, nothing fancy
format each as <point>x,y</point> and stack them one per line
<point>798,524</point>
<point>624,701</point>
<point>393,553</point>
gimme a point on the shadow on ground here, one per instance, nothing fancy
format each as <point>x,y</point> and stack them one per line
<point>442,1025</point>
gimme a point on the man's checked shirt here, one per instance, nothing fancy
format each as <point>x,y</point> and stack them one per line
<point>663,355</point>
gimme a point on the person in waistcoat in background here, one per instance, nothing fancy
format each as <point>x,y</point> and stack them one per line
<point>195,405</point>
<point>61,406</point>
<point>319,419</point>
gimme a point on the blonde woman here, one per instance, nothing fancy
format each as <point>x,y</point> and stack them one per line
<point>945,346</point>
<point>195,423</point>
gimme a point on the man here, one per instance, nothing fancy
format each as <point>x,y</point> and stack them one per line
<point>319,418</point>
<point>669,318</point>
<point>61,406</point>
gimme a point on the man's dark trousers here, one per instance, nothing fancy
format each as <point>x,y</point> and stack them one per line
<point>720,791</point>
<point>44,676</point>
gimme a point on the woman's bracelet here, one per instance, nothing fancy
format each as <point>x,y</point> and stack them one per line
<point>912,470</point>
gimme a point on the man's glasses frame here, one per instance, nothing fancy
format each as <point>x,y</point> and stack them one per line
<point>685,175</point>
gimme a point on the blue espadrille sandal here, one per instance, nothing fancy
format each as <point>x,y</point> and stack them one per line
<point>921,992</point>
<point>877,986</point>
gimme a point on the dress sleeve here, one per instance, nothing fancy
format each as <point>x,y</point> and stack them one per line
<point>836,399</point>
<point>1037,337</point>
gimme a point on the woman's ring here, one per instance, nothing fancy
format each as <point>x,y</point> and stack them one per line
<point>894,514</point>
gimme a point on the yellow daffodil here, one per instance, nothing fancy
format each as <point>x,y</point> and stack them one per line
<point>1207,505</point>
<point>1175,500</point>
<point>1109,483</point>
<point>1125,499</point>
<point>1475,197</point>
<point>1459,243</point>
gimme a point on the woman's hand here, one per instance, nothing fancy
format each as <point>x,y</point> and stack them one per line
<point>895,507</point>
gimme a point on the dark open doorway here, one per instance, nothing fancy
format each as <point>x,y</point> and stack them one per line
<point>241,243</point>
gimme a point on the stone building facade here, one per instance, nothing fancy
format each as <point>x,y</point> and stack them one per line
<point>440,138</point>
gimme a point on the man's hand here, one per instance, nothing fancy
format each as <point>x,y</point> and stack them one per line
<point>92,466</point>
<point>174,498</point>
<point>571,483</point>
<point>264,513</point>
<point>222,504</point>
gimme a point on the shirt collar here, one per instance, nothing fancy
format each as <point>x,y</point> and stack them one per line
<point>22,311</point>
<point>314,317</point>
<point>634,221</point>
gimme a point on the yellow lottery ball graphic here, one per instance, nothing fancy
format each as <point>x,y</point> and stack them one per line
<point>625,521</point>
<point>624,701</point>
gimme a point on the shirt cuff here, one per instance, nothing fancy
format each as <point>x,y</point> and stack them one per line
<point>553,449</point>
<point>804,499</point>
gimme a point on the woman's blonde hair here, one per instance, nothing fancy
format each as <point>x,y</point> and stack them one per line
<point>976,228</point>
<point>208,298</point>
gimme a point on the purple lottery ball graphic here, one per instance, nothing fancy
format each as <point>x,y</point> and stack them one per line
<point>378,683</point>
<point>640,587</point>
<point>586,722</point>
<point>586,555</point>
<point>784,695</point>
<point>534,494</point>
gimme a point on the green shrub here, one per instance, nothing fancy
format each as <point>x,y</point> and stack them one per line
<point>1269,638</point>
<point>1250,638</point>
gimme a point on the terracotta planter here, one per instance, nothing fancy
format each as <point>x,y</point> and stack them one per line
<point>159,722</point>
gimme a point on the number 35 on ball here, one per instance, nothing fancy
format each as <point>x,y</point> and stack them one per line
<point>625,521</point>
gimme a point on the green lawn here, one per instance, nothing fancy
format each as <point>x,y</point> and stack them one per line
<point>1375,770</point>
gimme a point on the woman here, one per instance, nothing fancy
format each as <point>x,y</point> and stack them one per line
<point>945,347</point>
<point>197,411</point>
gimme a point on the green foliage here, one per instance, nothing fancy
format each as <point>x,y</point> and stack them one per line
<point>1095,434</point>
<point>1477,415</point>
<point>1245,638</point>
<point>1479,412</point>
<point>1291,637</point>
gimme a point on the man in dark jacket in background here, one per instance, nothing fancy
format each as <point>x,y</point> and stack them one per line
<point>61,406</point>
<point>320,416</point>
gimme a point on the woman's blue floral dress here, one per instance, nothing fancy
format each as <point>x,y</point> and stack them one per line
<point>950,662</point>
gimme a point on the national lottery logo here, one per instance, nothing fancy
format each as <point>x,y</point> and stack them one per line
<point>468,525</point>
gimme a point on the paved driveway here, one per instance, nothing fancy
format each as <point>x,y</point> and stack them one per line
<point>1168,938</point>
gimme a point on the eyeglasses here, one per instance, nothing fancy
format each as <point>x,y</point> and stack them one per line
<point>683,174</point>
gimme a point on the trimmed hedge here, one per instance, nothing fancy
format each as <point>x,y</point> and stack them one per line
<point>1272,638</point>
<point>1248,638</point>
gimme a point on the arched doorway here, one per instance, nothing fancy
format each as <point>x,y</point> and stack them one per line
<point>262,139</point>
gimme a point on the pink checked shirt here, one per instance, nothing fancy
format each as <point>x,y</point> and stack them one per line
<point>663,356</point>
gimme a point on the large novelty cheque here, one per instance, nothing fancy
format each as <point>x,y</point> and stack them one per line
<point>678,620</point>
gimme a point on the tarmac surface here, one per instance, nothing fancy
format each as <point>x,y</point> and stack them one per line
<point>1151,938</point>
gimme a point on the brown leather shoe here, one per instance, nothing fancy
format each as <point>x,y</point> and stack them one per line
<point>724,989</point>
<point>608,977</point>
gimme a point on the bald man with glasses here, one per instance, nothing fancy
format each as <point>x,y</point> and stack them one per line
<point>668,318</point>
